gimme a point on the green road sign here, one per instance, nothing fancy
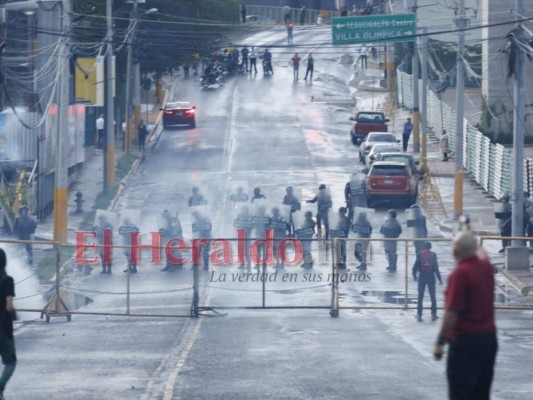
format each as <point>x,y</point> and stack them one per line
<point>374,28</point>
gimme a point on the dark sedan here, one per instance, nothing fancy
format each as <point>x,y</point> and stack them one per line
<point>179,113</point>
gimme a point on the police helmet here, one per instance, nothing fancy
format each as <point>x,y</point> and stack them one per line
<point>392,213</point>
<point>322,186</point>
<point>289,189</point>
<point>195,189</point>
<point>342,210</point>
<point>257,190</point>
<point>415,206</point>
<point>23,208</point>
<point>427,245</point>
<point>505,197</point>
<point>308,213</point>
<point>275,210</point>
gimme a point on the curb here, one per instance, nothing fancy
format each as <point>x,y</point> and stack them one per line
<point>446,225</point>
<point>513,279</point>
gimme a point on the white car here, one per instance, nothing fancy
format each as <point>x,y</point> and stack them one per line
<point>378,148</point>
<point>371,139</point>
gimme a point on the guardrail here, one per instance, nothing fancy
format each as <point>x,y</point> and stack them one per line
<point>489,163</point>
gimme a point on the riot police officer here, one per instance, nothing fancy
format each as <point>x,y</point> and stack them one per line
<point>306,232</point>
<point>201,228</point>
<point>257,194</point>
<point>391,229</point>
<point>416,226</point>
<point>260,222</point>
<point>171,230</point>
<point>243,221</point>
<point>503,214</point>
<point>324,204</point>
<point>291,200</point>
<point>24,229</point>
<point>196,198</point>
<point>341,232</point>
<point>101,236</point>
<point>280,227</point>
<point>125,231</point>
<point>363,230</point>
<point>355,192</point>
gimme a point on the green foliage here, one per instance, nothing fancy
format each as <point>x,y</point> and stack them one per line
<point>47,267</point>
<point>125,162</point>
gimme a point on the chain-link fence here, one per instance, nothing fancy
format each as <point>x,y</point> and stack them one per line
<point>334,274</point>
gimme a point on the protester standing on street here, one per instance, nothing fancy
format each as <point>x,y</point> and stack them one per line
<point>468,325</point>
<point>407,129</point>
<point>310,67</point>
<point>253,60</point>
<point>142,132</point>
<point>295,65</point>
<point>444,144</point>
<point>100,126</point>
<point>391,229</point>
<point>286,14</point>
<point>244,56</point>
<point>363,55</point>
<point>24,229</point>
<point>243,13</point>
<point>425,269</point>
<point>8,315</point>
<point>290,29</point>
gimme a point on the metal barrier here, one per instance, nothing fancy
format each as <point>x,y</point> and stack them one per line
<point>489,164</point>
<point>74,288</point>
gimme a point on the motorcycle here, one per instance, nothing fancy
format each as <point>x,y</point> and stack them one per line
<point>267,67</point>
<point>214,79</point>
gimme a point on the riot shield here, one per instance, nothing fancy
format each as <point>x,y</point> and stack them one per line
<point>198,196</point>
<point>360,215</point>
<point>104,226</point>
<point>358,190</point>
<point>293,198</point>
<point>201,225</point>
<point>243,227</point>
<point>339,226</point>
<point>416,223</point>
<point>260,218</point>
<point>129,222</point>
<point>104,217</point>
<point>239,192</point>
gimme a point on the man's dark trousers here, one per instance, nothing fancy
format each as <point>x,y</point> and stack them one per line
<point>470,366</point>
<point>422,282</point>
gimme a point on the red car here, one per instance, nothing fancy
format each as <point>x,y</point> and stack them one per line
<point>391,181</point>
<point>179,113</point>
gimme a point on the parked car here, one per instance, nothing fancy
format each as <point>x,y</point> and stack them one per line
<point>371,139</point>
<point>391,181</point>
<point>179,113</point>
<point>379,148</point>
<point>401,157</point>
<point>366,122</point>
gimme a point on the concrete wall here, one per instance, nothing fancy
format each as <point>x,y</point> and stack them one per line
<point>496,87</point>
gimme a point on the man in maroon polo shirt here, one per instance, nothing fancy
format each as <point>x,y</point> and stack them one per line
<point>468,325</point>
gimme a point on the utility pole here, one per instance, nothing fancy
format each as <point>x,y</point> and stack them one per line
<point>424,99</point>
<point>460,23</point>
<point>61,164</point>
<point>109,145</point>
<point>136,77</point>
<point>129,72</point>
<point>518,132</point>
<point>416,97</point>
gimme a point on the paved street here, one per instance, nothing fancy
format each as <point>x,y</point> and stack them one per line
<point>270,132</point>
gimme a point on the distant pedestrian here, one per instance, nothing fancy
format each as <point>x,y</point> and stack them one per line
<point>24,229</point>
<point>324,204</point>
<point>243,13</point>
<point>363,55</point>
<point>468,325</point>
<point>406,134</point>
<point>290,28</point>
<point>286,14</point>
<point>425,269</point>
<point>7,316</point>
<point>355,11</point>
<point>444,144</point>
<point>391,229</point>
<point>186,69</point>
<point>503,214</point>
<point>100,126</point>
<point>244,55</point>
<point>253,60</point>
<point>142,132</point>
<point>195,62</point>
<point>295,65</point>
<point>310,67</point>
<point>303,13</point>
<point>344,12</point>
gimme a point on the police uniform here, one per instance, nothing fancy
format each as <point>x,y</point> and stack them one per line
<point>291,200</point>
<point>306,232</point>
<point>280,228</point>
<point>201,229</point>
<point>391,229</point>
<point>324,203</point>
<point>24,229</point>
<point>341,232</point>
<point>244,222</point>
<point>363,230</point>
<point>171,230</point>
<point>100,230</point>
<point>126,231</point>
